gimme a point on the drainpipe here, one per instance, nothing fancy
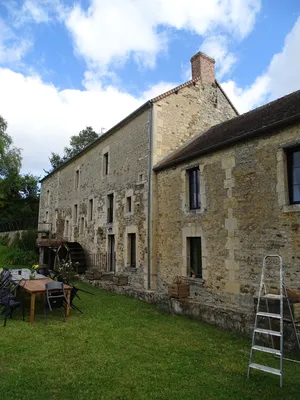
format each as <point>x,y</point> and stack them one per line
<point>149,195</point>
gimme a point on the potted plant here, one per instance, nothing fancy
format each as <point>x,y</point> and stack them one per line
<point>33,269</point>
<point>180,288</point>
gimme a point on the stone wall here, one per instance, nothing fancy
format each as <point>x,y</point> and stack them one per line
<point>244,216</point>
<point>127,176</point>
<point>10,234</point>
<point>176,119</point>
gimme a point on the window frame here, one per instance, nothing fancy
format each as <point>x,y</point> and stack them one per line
<point>290,170</point>
<point>194,188</point>
<point>77,178</point>
<point>75,217</point>
<point>132,251</point>
<point>105,164</point>
<point>81,226</point>
<point>191,253</point>
<point>110,208</point>
<point>129,204</point>
<point>91,210</point>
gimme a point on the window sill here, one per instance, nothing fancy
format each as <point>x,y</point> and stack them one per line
<point>195,281</point>
<point>196,211</point>
<point>130,269</point>
<point>291,208</point>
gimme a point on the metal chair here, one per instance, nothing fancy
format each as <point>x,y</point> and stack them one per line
<point>8,300</point>
<point>74,293</point>
<point>55,298</point>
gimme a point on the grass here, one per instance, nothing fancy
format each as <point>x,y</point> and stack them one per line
<point>124,349</point>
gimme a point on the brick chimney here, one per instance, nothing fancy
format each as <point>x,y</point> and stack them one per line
<point>204,67</point>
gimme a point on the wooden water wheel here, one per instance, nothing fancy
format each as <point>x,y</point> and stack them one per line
<point>71,252</point>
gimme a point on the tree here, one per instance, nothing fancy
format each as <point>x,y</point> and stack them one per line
<point>77,143</point>
<point>19,193</point>
<point>10,156</point>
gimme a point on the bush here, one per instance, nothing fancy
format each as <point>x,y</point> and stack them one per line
<point>4,240</point>
<point>28,240</point>
<point>17,256</point>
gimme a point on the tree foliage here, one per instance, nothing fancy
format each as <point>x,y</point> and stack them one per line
<point>10,156</point>
<point>77,143</point>
<point>19,193</point>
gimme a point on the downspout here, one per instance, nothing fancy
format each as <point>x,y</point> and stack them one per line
<point>149,196</point>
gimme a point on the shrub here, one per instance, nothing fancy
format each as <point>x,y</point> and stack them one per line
<point>4,240</point>
<point>17,256</point>
<point>28,240</point>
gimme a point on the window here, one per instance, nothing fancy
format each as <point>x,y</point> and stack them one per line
<point>293,163</point>
<point>77,179</point>
<point>91,209</point>
<point>81,229</point>
<point>194,188</point>
<point>111,256</point>
<point>110,208</point>
<point>105,164</point>
<point>141,178</point>
<point>67,228</point>
<point>75,216</point>
<point>128,204</point>
<point>47,216</point>
<point>132,249</point>
<point>195,257</point>
<point>48,198</point>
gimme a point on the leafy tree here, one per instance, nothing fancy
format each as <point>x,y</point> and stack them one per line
<point>77,143</point>
<point>19,193</point>
<point>10,156</point>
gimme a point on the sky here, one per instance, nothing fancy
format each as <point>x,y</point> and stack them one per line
<point>65,65</point>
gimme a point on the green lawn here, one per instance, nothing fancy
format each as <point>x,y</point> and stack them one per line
<point>121,348</point>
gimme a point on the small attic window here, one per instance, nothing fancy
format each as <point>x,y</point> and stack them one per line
<point>176,92</point>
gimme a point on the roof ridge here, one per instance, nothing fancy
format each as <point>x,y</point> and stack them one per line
<point>171,91</point>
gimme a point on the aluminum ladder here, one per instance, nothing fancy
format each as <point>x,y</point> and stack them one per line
<point>263,295</point>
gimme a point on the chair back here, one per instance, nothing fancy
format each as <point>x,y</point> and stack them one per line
<point>5,278</point>
<point>55,294</point>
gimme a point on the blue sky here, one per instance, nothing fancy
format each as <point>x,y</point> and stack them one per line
<point>65,65</point>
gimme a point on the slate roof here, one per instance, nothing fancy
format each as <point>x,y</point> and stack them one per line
<point>279,113</point>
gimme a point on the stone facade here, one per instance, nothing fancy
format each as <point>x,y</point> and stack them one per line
<point>126,177</point>
<point>244,215</point>
<point>75,199</point>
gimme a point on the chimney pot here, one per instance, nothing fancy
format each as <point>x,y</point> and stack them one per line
<point>203,67</point>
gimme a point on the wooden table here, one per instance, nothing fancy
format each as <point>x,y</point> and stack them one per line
<point>37,286</point>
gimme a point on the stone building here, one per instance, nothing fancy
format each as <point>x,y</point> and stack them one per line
<point>105,197</point>
<point>225,199</point>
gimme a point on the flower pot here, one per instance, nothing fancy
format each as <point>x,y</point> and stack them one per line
<point>179,290</point>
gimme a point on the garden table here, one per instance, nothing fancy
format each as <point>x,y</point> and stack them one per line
<point>37,286</point>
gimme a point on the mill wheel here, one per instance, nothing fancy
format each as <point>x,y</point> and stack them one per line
<point>71,252</point>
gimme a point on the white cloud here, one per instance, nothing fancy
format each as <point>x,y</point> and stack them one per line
<point>217,47</point>
<point>281,77</point>
<point>12,49</point>
<point>42,118</point>
<point>111,32</point>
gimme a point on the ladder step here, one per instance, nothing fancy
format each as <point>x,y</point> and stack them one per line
<point>269,315</point>
<point>267,350</point>
<point>267,332</point>
<point>271,296</point>
<point>265,368</point>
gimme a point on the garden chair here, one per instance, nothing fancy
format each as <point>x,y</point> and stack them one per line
<point>74,293</point>
<point>55,298</point>
<point>8,300</point>
<point>5,278</point>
